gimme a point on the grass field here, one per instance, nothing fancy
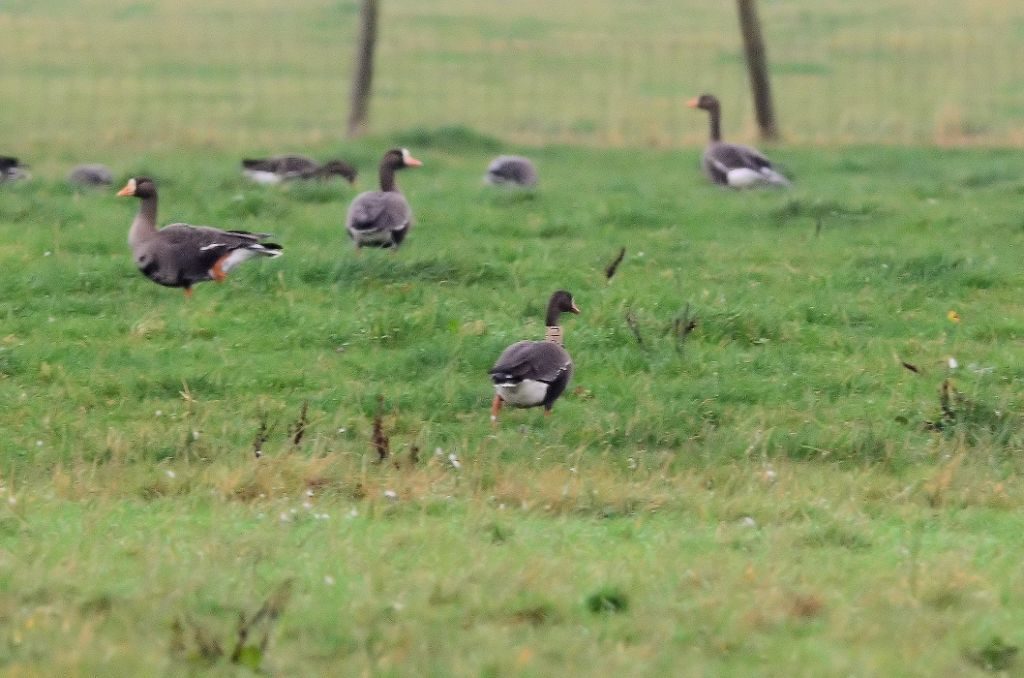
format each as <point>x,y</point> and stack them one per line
<point>86,78</point>
<point>773,493</point>
<point>822,478</point>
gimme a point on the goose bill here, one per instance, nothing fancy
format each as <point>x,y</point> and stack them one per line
<point>129,188</point>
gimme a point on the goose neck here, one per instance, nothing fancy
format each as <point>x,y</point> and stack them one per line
<point>716,123</point>
<point>387,178</point>
<point>144,224</point>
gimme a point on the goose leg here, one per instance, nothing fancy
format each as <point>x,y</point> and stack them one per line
<point>188,292</point>
<point>495,408</point>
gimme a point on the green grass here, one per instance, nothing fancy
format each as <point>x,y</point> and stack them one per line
<point>83,80</point>
<point>773,493</point>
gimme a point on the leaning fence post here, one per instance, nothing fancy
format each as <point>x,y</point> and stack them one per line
<point>757,67</point>
<point>363,77</point>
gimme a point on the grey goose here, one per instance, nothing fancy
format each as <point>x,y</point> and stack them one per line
<point>535,373</point>
<point>11,169</point>
<point>180,255</point>
<point>279,168</point>
<point>91,174</point>
<point>382,218</point>
<point>511,170</point>
<point>733,165</point>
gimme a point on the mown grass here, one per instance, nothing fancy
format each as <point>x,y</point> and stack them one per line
<point>774,491</point>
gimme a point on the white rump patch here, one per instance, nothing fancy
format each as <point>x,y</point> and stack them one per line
<point>744,177</point>
<point>262,177</point>
<point>245,254</point>
<point>527,393</point>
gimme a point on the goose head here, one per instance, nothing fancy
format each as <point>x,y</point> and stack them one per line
<point>139,187</point>
<point>342,169</point>
<point>705,102</point>
<point>399,158</point>
<point>560,302</point>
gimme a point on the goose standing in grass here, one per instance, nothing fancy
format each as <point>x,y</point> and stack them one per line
<point>533,373</point>
<point>12,170</point>
<point>733,165</point>
<point>511,170</point>
<point>279,168</point>
<point>91,174</point>
<point>382,218</point>
<point>180,255</point>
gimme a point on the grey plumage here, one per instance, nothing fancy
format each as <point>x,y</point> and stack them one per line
<point>181,255</point>
<point>733,165</point>
<point>382,218</point>
<point>278,168</point>
<point>535,373</point>
<point>91,174</point>
<point>512,170</point>
<point>538,360</point>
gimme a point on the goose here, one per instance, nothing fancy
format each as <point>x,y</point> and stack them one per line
<point>511,170</point>
<point>180,255</point>
<point>532,373</point>
<point>91,175</point>
<point>12,170</point>
<point>280,168</point>
<point>733,165</point>
<point>382,218</point>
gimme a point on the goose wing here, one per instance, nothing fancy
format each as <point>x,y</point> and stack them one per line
<point>378,211</point>
<point>727,157</point>
<point>536,360</point>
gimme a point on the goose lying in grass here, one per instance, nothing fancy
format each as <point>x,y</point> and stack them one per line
<point>733,165</point>
<point>91,174</point>
<point>279,168</point>
<point>534,373</point>
<point>180,255</point>
<point>12,170</point>
<point>382,218</point>
<point>511,170</point>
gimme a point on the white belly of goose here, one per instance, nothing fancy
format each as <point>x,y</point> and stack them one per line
<point>527,393</point>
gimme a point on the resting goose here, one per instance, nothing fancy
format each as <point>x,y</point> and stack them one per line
<point>91,175</point>
<point>382,218</point>
<point>511,170</point>
<point>180,255</point>
<point>733,165</point>
<point>280,168</point>
<point>12,170</point>
<point>532,373</point>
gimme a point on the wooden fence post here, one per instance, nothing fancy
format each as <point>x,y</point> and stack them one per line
<point>757,68</point>
<point>363,77</point>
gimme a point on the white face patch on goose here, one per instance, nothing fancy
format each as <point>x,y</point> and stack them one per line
<point>131,186</point>
<point>405,155</point>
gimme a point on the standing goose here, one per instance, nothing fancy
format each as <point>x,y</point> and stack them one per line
<point>511,170</point>
<point>280,168</point>
<point>733,165</point>
<point>382,218</point>
<point>12,170</point>
<point>180,255</point>
<point>532,373</point>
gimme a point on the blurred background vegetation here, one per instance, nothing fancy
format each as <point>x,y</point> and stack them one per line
<point>140,74</point>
